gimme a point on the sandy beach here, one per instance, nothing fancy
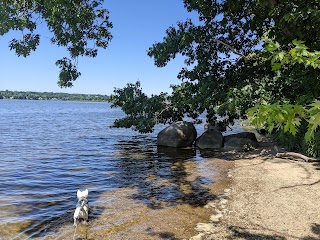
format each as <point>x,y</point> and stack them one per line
<point>269,199</point>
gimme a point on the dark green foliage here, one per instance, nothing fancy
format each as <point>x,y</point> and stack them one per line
<point>68,72</point>
<point>28,43</point>
<point>227,69</point>
<point>297,142</point>
<point>286,118</point>
<point>82,26</point>
<point>142,112</point>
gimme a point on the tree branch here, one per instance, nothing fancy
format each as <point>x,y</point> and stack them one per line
<point>231,48</point>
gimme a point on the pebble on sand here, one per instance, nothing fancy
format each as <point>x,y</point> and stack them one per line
<point>205,227</point>
<point>216,217</point>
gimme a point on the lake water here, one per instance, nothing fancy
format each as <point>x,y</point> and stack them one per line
<point>50,149</point>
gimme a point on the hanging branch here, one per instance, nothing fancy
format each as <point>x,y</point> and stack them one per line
<point>231,48</point>
<point>249,57</point>
<point>157,115</point>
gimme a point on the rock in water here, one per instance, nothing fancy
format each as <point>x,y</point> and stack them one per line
<point>243,141</point>
<point>178,134</point>
<point>210,139</point>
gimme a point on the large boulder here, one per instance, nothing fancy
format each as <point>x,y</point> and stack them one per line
<point>243,141</point>
<point>210,139</point>
<point>178,134</point>
<point>217,126</point>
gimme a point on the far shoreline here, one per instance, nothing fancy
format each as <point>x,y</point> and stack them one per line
<point>51,96</point>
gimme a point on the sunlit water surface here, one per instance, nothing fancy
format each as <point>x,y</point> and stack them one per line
<point>49,149</point>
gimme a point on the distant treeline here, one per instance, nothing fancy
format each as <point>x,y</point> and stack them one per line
<point>52,96</point>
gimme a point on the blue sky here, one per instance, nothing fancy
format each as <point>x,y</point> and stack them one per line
<point>137,25</point>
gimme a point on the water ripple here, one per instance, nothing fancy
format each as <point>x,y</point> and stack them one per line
<point>51,149</point>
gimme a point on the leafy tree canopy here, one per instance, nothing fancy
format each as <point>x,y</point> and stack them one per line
<point>82,26</point>
<point>230,64</point>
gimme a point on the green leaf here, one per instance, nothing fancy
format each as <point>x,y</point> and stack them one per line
<point>276,66</point>
<point>309,135</point>
<point>298,43</point>
<point>272,47</point>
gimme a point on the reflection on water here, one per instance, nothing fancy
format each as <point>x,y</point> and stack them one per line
<point>51,149</point>
<point>160,174</point>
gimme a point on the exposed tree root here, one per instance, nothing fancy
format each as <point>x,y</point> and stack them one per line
<point>297,156</point>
